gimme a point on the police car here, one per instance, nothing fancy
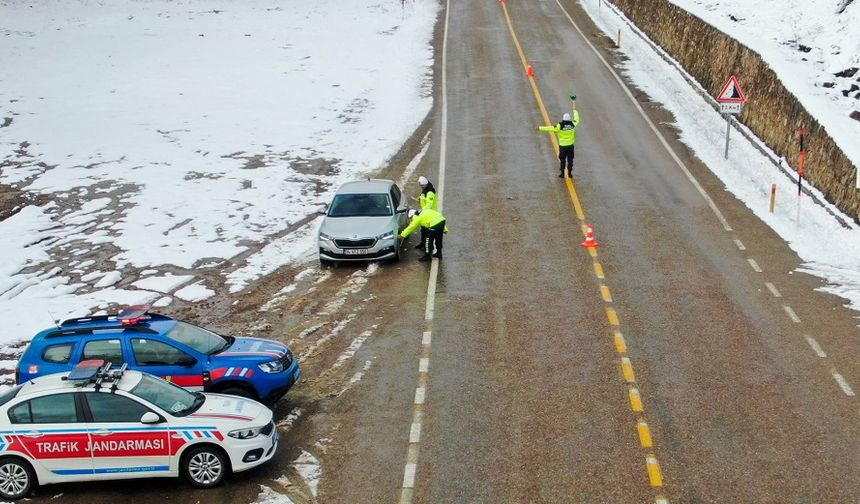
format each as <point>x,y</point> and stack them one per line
<point>177,351</point>
<point>96,423</point>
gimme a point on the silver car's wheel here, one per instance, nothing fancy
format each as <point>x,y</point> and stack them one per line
<point>204,467</point>
<point>16,479</point>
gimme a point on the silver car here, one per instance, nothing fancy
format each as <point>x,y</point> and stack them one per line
<point>363,222</point>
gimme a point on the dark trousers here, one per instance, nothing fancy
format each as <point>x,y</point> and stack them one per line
<point>566,153</point>
<point>433,238</point>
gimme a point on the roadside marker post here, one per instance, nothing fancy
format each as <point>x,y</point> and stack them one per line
<point>772,197</point>
<point>731,100</point>
<point>801,161</point>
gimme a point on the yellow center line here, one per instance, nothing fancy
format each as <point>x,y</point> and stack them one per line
<point>620,344</point>
<point>612,316</point>
<point>644,434</point>
<point>654,474</point>
<point>604,291</point>
<point>636,400</point>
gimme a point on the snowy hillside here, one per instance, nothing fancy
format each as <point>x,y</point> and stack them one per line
<point>813,45</point>
<point>169,141</point>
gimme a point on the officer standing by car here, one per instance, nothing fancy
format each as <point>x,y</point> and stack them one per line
<point>434,223</point>
<point>566,132</point>
<point>427,199</point>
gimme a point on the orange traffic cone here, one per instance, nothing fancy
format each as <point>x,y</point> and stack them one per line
<point>589,238</point>
<point>530,71</point>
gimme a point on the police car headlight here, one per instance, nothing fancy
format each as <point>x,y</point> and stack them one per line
<point>274,366</point>
<point>324,236</point>
<point>386,236</point>
<point>245,433</point>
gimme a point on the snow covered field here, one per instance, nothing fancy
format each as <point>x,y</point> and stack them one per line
<point>829,250</point>
<point>168,138</point>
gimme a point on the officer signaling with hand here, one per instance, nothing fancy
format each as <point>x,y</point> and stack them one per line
<point>431,221</point>
<point>566,132</point>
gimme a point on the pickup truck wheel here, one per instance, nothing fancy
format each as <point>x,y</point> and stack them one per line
<point>16,478</point>
<point>204,467</point>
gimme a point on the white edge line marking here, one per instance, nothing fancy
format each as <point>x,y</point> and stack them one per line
<point>815,346</point>
<point>409,476</point>
<point>660,137</point>
<point>754,265</point>
<point>842,383</point>
<point>772,288</point>
<point>415,433</point>
<point>410,469</point>
<point>791,314</point>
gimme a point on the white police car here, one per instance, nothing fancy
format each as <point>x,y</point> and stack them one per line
<point>95,423</point>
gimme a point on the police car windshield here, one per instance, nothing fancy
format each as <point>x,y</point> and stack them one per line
<point>205,342</point>
<point>360,205</point>
<point>167,396</point>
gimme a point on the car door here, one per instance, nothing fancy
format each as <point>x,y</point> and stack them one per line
<point>108,349</point>
<point>168,361</point>
<point>53,431</point>
<point>120,442</point>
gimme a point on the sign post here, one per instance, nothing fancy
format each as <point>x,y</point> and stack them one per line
<point>731,100</point>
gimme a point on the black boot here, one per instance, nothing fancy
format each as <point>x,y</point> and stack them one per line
<point>438,254</point>
<point>424,258</point>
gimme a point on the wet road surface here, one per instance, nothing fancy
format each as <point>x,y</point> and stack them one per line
<point>528,387</point>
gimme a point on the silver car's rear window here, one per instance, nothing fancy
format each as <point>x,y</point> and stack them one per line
<point>361,205</point>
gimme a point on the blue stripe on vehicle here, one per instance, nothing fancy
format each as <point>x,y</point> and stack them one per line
<point>109,470</point>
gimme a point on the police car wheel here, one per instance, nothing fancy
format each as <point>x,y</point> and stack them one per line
<point>240,392</point>
<point>204,467</point>
<point>16,478</point>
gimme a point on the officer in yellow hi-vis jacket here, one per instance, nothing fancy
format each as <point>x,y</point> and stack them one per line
<point>566,132</point>
<point>434,223</point>
<point>427,199</point>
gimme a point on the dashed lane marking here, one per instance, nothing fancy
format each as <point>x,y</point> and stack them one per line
<point>598,270</point>
<point>627,370</point>
<point>772,289</point>
<point>415,432</point>
<point>411,467</point>
<point>636,400</point>
<point>654,474</point>
<point>740,245</point>
<point>612,316</point>
<point>644,434</point>
<point>842,383</point>
<point>815,346</point>
<point>409,476</point>
<point>793,316</point>
<point>754,265</point>
<point>604,291</point>
<point>620,344</point>
<point>419,395</point>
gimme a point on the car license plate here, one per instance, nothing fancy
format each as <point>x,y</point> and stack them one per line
<point>355,251</point>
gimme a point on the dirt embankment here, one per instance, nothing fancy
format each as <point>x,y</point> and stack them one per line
<point>774,115</point>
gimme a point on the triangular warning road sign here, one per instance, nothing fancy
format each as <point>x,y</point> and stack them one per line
<point>732,92</point>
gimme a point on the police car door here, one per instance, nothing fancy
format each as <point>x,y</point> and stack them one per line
<point>53,431</point>
<point>121,442</point>
<point>167,361</point>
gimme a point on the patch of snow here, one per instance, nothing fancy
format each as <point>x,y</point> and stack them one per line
<point>111,278</point>
<point>165,283</point>
<point>194,292</point>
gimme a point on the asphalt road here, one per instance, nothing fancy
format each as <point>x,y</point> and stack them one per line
<point>534,345</point>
